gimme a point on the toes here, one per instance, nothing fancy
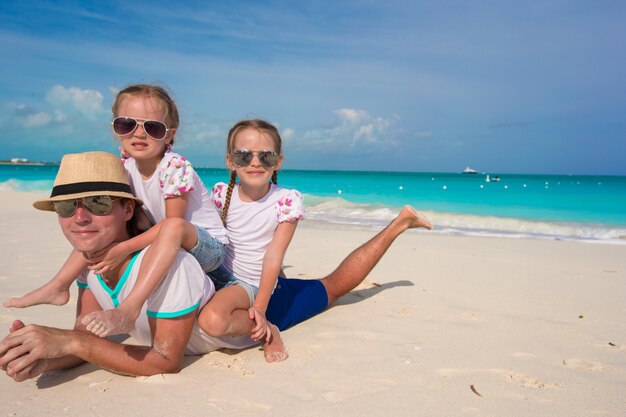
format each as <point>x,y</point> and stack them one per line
<point>88,319</point>
<point>104,332</point>
<point>95,327</point>
<point>276,357</point>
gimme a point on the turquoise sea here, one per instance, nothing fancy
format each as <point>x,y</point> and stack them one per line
<point>591,208</point>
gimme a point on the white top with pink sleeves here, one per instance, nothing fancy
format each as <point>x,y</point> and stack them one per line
<point>251,226</point>
<point>174,176</point>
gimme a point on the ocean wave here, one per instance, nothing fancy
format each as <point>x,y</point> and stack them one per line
<point>27,186</point>
<point>340,211</point>
<point>337,210</point>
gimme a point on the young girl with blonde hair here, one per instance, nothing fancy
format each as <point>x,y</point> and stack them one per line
<point>261,219</point>
<point>145,120</point>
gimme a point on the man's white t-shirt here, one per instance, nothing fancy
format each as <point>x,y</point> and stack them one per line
<point>186,288</point>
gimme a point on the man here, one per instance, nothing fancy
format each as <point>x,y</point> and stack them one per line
<point>95,207</point>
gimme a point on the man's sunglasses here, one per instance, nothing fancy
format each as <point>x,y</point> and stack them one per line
<point>97,204</point>
<point>123,126</point>
<point>243,158</point>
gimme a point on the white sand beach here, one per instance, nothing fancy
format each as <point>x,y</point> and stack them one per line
<point>444,326</point>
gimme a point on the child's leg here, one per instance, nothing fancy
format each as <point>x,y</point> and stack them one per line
<point>174,234</point>
<point>353,270</point>
<point>226,314</point>
<point>57,290</point>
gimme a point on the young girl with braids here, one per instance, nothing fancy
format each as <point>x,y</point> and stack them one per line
<point>261,219</point>
<point>145,120</point>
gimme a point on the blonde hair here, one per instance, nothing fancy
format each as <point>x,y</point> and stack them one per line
<point>168,105</point>
<point>261,126</point>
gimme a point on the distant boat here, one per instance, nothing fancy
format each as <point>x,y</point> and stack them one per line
<point>493,179</point>
<point>469,170</point>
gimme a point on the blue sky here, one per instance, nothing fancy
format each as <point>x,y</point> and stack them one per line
<point>501,86</point>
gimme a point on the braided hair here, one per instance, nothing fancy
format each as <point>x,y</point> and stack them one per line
<point>261,126</point>
<point>229,194</point>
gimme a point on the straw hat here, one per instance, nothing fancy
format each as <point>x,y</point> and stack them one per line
<point>88,174</point>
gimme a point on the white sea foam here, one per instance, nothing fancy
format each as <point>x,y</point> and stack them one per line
<point>28,186</point>
<point>340,211</point>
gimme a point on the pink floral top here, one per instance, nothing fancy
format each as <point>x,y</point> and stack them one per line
<point>175,175</point>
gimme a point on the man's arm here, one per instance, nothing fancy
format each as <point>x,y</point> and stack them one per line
<point>22,350</point>
<point>19,362</point>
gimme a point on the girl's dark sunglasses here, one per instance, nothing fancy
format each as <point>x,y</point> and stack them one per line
<point>243,158</point>
<point>123,126</point>
<point>97,204</point>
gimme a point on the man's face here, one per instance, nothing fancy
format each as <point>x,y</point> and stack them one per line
<point>89,233</point>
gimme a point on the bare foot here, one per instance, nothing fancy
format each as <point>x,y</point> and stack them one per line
<point>412,218</point>
<point>275,350</point>
<point>48,294</point>
<point>109,322</point>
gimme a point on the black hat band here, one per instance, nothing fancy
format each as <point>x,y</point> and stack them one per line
<point>86,187</point>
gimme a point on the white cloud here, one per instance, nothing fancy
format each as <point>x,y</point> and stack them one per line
<point>209,135</point>
<point>86,102</point>
<point>200,134</point>
<point>20,107</point>
<point>59,116</point>
<point>20,110</point>
<point>352,115</point>
<point>37,120</point>
<point>356,129</point>
<point>288,134</point>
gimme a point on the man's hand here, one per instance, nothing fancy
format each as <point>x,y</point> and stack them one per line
<point>33,370</point>
<point>23,353</point>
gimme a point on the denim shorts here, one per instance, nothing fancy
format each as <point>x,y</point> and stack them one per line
<point>222,278</point>
<point>209,252</point>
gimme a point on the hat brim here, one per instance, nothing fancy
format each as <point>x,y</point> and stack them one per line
<point>46,205</point>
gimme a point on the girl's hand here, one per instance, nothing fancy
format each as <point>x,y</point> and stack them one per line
<point>261,330</point>
<point>114,256</point>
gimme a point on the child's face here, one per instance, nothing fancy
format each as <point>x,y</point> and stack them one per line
<point>138,144</point>
<point>254,174</point>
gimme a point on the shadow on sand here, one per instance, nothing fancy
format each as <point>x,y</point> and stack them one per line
<point>356,296</point>
<point>54,378</point>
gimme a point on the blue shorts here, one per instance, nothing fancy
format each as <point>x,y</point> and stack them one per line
<point>209,252</point>
<point>222,278</point>
<point>296,300</point>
